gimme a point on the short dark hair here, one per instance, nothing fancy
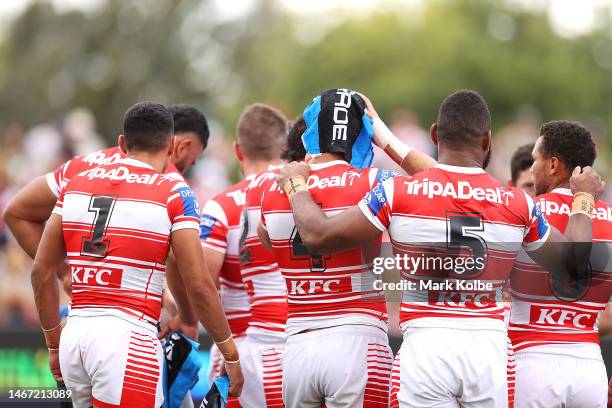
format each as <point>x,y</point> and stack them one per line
<point>521,161</point>
<point>147,126</point>
<point>262,132</point>
<point>189,119</point>
<point>462,118</point>
<point>295,150</point>
<point>569,141</point>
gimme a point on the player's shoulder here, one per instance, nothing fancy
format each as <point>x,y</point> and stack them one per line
<point>262,179</point>
<point>78,164</point>
<point>232,197</point>
<point>106,156</point>
<point>173,173</point>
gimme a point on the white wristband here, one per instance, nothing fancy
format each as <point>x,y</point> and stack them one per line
<point>385,139</point>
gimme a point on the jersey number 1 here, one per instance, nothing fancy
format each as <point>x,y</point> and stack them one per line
<point>94,244</point>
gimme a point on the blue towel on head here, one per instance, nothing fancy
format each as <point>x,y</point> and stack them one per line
<point>182,364</point>
<point>336,123</point>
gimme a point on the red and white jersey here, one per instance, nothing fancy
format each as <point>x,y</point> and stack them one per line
<point>541,322</point>
<point>117,220</point>
<point>57,180</point>
<point>447,222</point>
<point>260,272</point>
<point>220,231</point>
<point>333,289</point>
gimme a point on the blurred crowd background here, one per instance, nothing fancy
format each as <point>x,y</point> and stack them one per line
<point>69,69</point>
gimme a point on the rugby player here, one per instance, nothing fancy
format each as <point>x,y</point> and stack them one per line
<point>262,136</point>
<point>337,351</point>
<point>30,208</point>
<point>556,342</point>
<point>520,169</point>
<point>220,224</point>
<point>116,223</point>
<point>455,348</point>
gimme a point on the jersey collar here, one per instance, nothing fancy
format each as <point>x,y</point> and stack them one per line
<point>137,163</point>
<point>318,166</point>
<point>563,191</point>
<point>460,169</point>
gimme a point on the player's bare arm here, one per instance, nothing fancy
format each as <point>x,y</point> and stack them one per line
<point>322,234</point>
<point>263,236</point>
<point>176,301</point>
<point>575,250</point>
<point>27,212</point>
<point>50,255</point>
<point>203,295</point>
<point>409,159</point>
<point>214,263</point>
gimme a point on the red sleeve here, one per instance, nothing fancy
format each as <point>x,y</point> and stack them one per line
<point>213,226</point>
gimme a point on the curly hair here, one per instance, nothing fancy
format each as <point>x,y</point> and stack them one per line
<point>295,150</point>
<point>570,142</point>
<point>521,160</point>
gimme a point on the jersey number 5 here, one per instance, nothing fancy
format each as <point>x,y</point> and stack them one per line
<point>461,232</point>
<point>94,244</point>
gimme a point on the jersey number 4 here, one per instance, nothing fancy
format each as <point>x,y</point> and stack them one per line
<point>95,244</point>
<point>300,252</point>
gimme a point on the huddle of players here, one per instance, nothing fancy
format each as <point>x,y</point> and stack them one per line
<point>333,342</point>
<point>308,296</point>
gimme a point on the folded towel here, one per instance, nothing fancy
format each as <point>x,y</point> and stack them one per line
<point>336,123</point>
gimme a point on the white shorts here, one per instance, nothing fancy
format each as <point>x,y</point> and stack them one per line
<point>110,362</point>
<point>345,366</point>
<point>261,367</point>
<point>555,380</point>
<point>214,369</point>
<point>442,367</point>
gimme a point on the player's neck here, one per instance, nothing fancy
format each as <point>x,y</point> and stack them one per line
<point>559,184</point>
<point>250,168</point>
<point>326,157</point>
<point>458,158</point>
<point>157,160</point>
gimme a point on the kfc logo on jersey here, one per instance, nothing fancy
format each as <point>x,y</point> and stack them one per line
<point>549,316</point>
<point>462,191</point>
<point>347,178</point>
<point>94,276</point>
<point>313,286</point>
<point>470,300</point>
<point>119,174</point>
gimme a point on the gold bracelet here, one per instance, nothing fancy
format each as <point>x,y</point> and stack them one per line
<point>584,203</point>
<point>294,185</point>
<point>224,341</point>
<point>232,353</point>
<point>232,362</point>
<point>50,330</point>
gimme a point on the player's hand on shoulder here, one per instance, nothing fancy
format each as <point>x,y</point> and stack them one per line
<point>178,326</point>
<point>234,373</point>
<point>293,169</point>
<point>586,180</point>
